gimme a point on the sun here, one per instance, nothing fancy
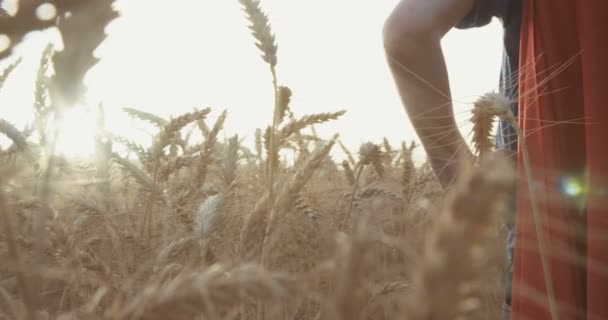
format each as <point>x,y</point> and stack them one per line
<point>77,130</point>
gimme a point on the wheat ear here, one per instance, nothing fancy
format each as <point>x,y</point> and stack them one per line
<point>369,154</point>
<point>146,116</point>
<point>294,186</point>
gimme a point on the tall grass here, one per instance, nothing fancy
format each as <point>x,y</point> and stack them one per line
<point>217,231</point>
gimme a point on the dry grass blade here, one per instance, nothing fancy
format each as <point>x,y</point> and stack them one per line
<point>261,30</point>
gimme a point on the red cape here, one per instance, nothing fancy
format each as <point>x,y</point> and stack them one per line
<point>564,114</point>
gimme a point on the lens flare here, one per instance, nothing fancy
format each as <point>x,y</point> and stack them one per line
<point>572,187</point>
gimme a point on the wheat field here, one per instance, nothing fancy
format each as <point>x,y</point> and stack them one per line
<point>216,230</point>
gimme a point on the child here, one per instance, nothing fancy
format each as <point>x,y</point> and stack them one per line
<point>562,112</point>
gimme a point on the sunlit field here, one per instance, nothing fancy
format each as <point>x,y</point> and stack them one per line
<point>176,161</point>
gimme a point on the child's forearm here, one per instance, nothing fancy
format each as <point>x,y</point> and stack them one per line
<point>416,60</point>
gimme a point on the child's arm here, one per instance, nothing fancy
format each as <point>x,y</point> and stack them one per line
<point>412,36</point>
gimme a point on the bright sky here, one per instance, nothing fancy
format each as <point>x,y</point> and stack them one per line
<point>199,53</point>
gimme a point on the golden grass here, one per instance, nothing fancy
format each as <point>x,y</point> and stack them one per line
<point>215,231</point>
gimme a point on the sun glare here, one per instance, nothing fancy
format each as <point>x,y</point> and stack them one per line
<point>77,130</point>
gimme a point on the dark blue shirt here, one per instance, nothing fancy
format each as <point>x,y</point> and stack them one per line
<point>509,13</point>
